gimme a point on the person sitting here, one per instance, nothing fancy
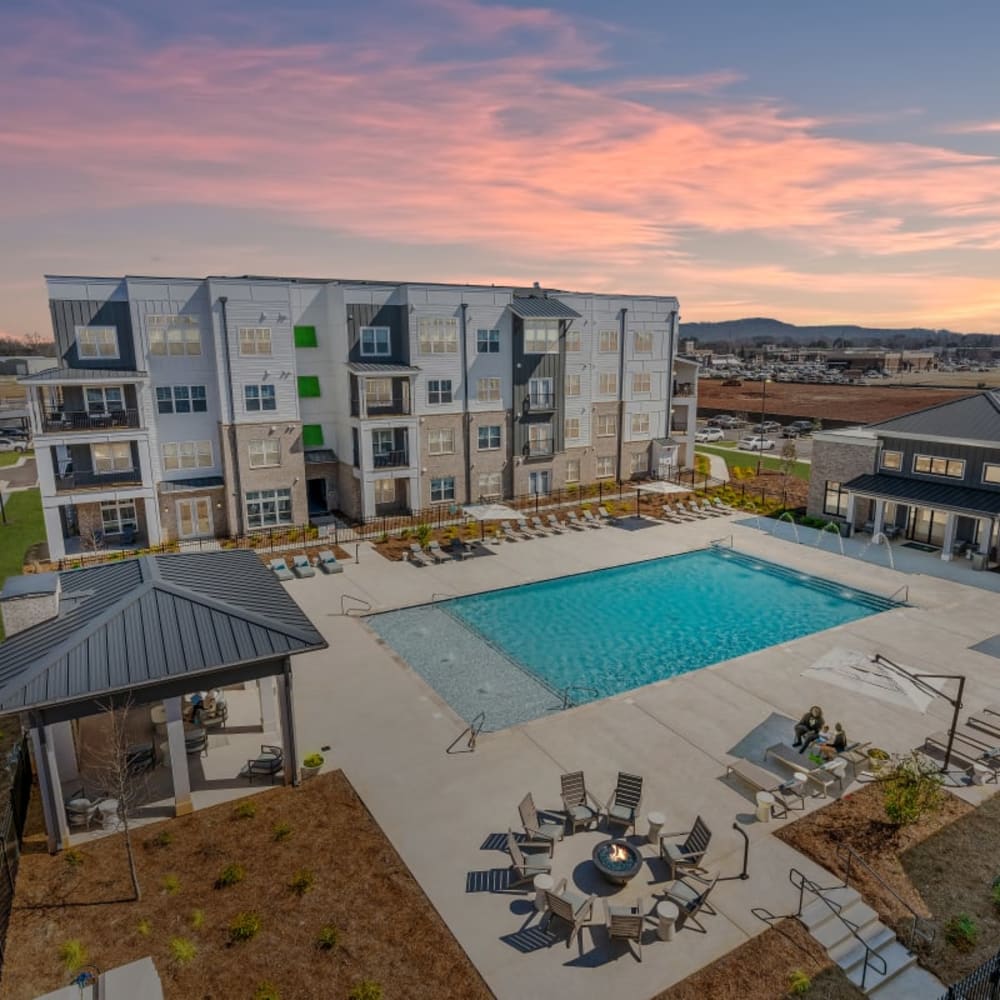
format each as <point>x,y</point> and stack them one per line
<point>829,746</point>
<point>808,728</point>
<point>197,707</point>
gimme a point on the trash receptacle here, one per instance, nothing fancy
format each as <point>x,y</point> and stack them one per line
<point>765,803</point>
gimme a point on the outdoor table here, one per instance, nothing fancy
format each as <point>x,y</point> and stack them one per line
<point>158,715</point>
<point>666,919</point>
<point>541,883</point>
<point>656,821</point>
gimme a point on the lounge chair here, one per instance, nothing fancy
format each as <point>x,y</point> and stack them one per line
<point>555,524</point>
<point>526,861</point>
<point>301,566</point>
<point>540,828</point>
<point>570,907</point>
<point>435,551</point>
<point>626,922</point>
<point>582,809</point>
<point>682,858</point>
<point>691,902</point>
<point>823,775</point>
<point>761,780</point>
<point>669,515</point>
<point>964,756</point>
<point>992,709</point>
<point>508,532</point>
<point>625,801</point>
<point>693,508</point>
<point>588,517</point>
<point>526,529</point>
<point>725,507</point>
<point>280,569</point>
<point>417,555</point>
<point>327,562</point>
<point>987,722</point>
<point>682,512</point>
<point>536,523</point>
<point>706,508</point>
<point>270,762</point>
<point>607,518</point>
<point>573,521</point>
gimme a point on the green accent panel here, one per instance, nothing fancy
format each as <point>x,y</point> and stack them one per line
<point>308,386</point>
<point>305,336</point>
<point>312,435</point>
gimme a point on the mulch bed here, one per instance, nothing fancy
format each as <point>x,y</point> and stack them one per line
<point>387,929</point>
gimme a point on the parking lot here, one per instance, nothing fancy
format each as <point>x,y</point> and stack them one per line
<point>730,436</point>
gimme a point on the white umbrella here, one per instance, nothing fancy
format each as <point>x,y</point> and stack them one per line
<point>484,512</point>
<point>857,671</point>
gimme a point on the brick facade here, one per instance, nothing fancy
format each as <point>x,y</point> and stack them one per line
<point>839,461</point>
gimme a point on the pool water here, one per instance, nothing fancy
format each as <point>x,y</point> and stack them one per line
<point>601,633</point>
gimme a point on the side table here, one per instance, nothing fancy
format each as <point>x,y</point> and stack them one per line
<point>541,883</point>
<point>656,821</point>
<point>765,803</point>
<point>666,919</point>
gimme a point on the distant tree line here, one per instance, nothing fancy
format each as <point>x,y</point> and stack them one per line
<point>32,345</point>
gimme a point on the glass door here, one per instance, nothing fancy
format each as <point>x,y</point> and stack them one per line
<point>194,518</point>
<point>539,482</point>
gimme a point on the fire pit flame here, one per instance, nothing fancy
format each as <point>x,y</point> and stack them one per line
<point>618,853</point>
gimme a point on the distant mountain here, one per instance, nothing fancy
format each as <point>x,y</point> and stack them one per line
<point>761,330</point>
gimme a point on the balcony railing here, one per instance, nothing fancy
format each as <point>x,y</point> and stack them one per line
<point>541,401</point>
<point>538,449</point>
<point>373,408</point>
<point>56,422</point>
<point>97,480</point>
<point>391,459</point>
<point>683,388</point>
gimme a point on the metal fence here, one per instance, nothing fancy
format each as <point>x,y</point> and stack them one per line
<point>16,775</point>
<point>980,984</point>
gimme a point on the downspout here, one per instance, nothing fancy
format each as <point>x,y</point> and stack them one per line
<point>671,337</point>
<point>238,489</point>
<point>621,391</point>
<point>466,416</point>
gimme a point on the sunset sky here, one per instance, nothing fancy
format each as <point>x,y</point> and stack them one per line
<point>837,164</point>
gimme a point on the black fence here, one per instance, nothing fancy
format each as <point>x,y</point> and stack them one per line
<point>16,775</point>
<point>980,984</point>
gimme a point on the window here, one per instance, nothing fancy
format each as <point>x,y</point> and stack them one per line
<point>643,342</point>
<point>607,341</point>
<point>606,425</point>
<point>991,472</point>
<point>385,491</point>
<point>540,439</point>
<point>572,428</point>
<point>437,335</point>
<point>608,384</point>
<point>954,468</point>
<point>97,341</point>
<point>489,437</point>
<point>105,400</point>
<point>265,453</point>
<point>266,508</point>
<point>638,463</point>
<point>258,398</point>
<point>605,467</point>
<point>540,394</point>
<point>573,470</point>
<point>573,341</point>
<point>173,335</point>
<point>541,336</point>
<point>443,489</point>
<point>488,390</point>
<point>640,423</point>
<point>487,341</point>
<point>642,382</point>
<point>305,336</point>
<point>891,460</point>
<point>441,442</point>
<point>117,517</point>
<point>378,392</point>
<point>181,399</point>
<point>309,386</point>
<point>490,484</point>
<point>109,458</point>
<point>438,391</point>
<point>375,342</point>
<point>255,340</point>
<point>835,499</point>
<point>187,455</point>
<point>312,435</point>
<point>572,385</point>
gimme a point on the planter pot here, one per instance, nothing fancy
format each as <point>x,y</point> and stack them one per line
<point>310,772</point>
<point>878,760</point>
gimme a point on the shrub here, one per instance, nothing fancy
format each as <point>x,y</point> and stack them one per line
<point>73,955</point>
<point>313,760</point>
<point>182,950</point>
<point>230,875</point>
<point>244,927</point>
<point>961,932</point>
<point>367,989</point>
<point>911,790</point>
<point>171,884</point>
<point>163,839</point>
<point>245,810</point>
<point>798,983</point>
<point>327,938</point>
<point>266,991</point>
<point>282,831</point>
<point>197,919</point>
<point>144,927</point>
<point>73,858</point>
<point>302,882</point>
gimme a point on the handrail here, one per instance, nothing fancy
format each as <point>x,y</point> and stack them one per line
<point>817,890</point>
<point>439,593</point>
<point>363,605</point>
<point>905,590</point>
<point>474,728</point>
<point>576,687</point>
<point>927,934</point>
<point>718,542</point>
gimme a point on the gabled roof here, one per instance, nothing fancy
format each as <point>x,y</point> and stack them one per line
<point>963,499</point>
<point>62,375</point>
<point>973,418</point>
<point>540,307</point>
<point>128,624</point>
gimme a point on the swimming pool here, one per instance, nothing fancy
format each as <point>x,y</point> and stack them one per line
<point>515,653</point>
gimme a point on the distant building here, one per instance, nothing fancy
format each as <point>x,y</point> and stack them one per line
<point>880,359</point>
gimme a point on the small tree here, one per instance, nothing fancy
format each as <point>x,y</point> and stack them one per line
<point>911,789</point>
<point>788,457</point>
<point>91,528</point>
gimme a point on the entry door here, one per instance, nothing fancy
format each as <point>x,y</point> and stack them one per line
<point>539,482</point>
<point>194,518</point>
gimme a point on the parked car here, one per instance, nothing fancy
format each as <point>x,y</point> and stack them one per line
<point>11,444</point>
<point>709,434</point>
<point>768,427</point>
<point>802,426</point>
<point>722,420</point>
<point>731,381</point>
<point>14,432</point>
<point>756,443</point>
<point>790,432</point>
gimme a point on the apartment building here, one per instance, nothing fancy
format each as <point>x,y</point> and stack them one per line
<point>190,408</point>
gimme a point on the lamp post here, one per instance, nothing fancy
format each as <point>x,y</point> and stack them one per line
<point>763,408</point>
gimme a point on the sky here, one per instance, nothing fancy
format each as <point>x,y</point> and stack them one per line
<point>836,164</point>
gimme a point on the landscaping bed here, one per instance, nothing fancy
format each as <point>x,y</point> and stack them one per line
<point>351,892</point>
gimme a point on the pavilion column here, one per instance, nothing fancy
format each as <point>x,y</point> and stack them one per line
<point>849,513</point>
<point>289,752</point>
<point>268,705</point>
<point>878,521</point>
<point>50,787</point>
<point>178,757</point>
<point>950,524</point>
<point>985,535</point>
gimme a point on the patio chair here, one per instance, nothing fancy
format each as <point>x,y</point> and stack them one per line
<point>686,857</point>
<point>569,907</point>
<point>625,801</point>
<point>603,512</point>
<point>214,717</point>
<point>327,562</point>
<point>761,780</point>
<point>536,523</point>
<point>270,762</point>
<point>508,532</point>
<point>574,522</point>
<point>196,742</point>
<point>526,861</point>
<point>691,902</point>
<point>140,757</point>
<point>588,517</point>
<point>527,530</point>
<point>128,536</point>
<point>417,556</point>
<point>301,566</point>
<point>539,827</point>
<point>582,809</point>
<point>435,551</point>
<point>555,524</point>
<point>280,569</point>
<point>626,922</point>
<point>81,811</point>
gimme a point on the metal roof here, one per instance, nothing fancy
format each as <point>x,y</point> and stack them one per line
<point>973,418</point>
<point>315,456</point>
<point>129,624</point>
<point>372,368</point>
<point>192,483</point>
<point>85,375</point>
<point>539,307</point>
<point>29,585</point>
<point>963,499</point>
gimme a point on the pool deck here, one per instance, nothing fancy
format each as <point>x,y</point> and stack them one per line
<point>389,731</point>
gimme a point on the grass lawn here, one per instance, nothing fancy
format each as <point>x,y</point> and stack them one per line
<point>748,459</point>
<point>315,863</point>
<point>10,457</point>
<point>23,529</point>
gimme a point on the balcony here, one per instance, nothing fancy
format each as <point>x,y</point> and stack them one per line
<point>76,421</point>
<point>683,389</point>
<point>392,459</point>
<point>540,401</point>
<point>72,481</point>
<point>374,408</point>
<point>539,449</point>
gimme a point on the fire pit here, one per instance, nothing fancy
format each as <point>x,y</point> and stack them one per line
<point>617,860</point>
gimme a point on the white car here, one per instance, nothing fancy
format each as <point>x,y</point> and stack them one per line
<point>709,434</point>
<point>756,444</point>
<point>12,444</point>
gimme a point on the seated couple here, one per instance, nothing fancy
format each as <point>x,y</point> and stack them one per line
<point>811,729</point>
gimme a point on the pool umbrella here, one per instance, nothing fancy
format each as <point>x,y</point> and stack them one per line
<point>859,672</point>
<point>483,512</point>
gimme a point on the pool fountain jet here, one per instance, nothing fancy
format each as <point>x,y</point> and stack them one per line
<point>876,538</point>
<point>785,515</point>
<point>830,526</point>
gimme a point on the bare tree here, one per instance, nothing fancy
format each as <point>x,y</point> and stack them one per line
<point>91,528</point>
<point>788,456</point>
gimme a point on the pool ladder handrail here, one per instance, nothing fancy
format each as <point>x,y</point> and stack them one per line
<point>576,687</point>
<point>443,595</point>
<point>474,728</point>
<point>718,543</point>
<point>904,590</point>
<point>363,604</point>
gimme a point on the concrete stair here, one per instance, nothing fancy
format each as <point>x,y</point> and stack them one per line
<point>902,978</point>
